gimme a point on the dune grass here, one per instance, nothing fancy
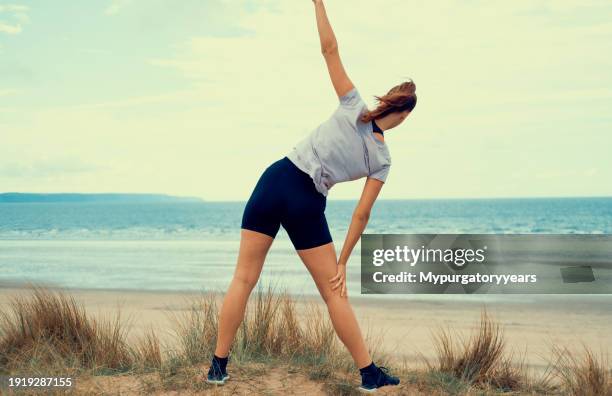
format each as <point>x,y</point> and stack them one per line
<point>49,332</point>
<point>271,331</point>
<point>480,359</point>
<point>147,352</point>
<point>582,374</point>
<point>50,329</point>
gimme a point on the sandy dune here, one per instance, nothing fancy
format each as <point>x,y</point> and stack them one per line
<point>405,326</point>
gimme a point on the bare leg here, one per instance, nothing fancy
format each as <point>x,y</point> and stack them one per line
<point>253,249</point>
<point>321,263</point>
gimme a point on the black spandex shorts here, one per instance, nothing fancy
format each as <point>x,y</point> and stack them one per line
<point>285,195</point>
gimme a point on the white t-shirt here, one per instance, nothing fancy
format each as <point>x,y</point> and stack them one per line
<point>342,148</point>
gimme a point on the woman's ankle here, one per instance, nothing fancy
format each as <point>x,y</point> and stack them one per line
<point>368,368</point>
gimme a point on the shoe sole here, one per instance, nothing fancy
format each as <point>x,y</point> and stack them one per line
<point>365,390</point>
<point>218,382</point>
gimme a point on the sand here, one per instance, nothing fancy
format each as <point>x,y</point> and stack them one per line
<point>531,328</point>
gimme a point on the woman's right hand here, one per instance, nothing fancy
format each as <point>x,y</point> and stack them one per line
<point>339,280</point>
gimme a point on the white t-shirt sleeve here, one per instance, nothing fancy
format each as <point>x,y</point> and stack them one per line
<point>351,99</point>
<point>381,174</point>
<point>351,106</point>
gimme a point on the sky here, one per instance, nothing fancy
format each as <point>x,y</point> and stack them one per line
<point>197,97</point>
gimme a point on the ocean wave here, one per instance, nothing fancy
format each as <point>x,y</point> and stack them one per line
<point>137,233</point>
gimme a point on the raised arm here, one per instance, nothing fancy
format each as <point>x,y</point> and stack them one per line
<point>329,47</point>
<point>360,218</point>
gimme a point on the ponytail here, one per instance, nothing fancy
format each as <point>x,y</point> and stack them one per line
<point>400,98</point>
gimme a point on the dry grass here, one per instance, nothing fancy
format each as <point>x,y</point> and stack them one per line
<point>147,352</point>
<point>50,329</point>
<point>48,332</point>
<point>480,359</point>
<point>197,330</point>
<point>270,330</point>
<point>582,374</point>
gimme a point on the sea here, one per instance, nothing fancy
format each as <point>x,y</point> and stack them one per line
<point>193,246</point>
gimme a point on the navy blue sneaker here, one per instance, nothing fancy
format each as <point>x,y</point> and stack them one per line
<point>374,379</point>
<point>217,374</point>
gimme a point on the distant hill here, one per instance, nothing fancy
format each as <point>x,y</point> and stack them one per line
<point>13,197</point>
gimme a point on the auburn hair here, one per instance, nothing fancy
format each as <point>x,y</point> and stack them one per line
<point>399,98</point>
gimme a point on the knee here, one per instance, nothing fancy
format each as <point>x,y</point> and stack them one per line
<point>245,280</point>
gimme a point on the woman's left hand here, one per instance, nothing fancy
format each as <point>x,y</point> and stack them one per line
<point>339,281</point>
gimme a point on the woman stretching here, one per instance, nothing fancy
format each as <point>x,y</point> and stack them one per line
<point>292,192</point>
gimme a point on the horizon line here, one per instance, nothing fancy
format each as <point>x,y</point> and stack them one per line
<point>330,199</point>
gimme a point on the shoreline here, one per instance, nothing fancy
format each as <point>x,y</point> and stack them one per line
<point>362,299</point>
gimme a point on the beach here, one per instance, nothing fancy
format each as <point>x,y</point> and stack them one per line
<point>150,262</point>
<point>400,328</point>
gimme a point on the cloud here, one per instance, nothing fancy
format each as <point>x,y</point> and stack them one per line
<point>116,6</point>
<point>503,88</point>
<point>567,174</point>
<point>10,29</point>
<point>487,73</point>
<point>13,8</point>
<point>16,12</point>
<point>6,92</point>
<point>45,167</point>
<point>95,51</point>
<point>444,41</point>
<point>134,101</point>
